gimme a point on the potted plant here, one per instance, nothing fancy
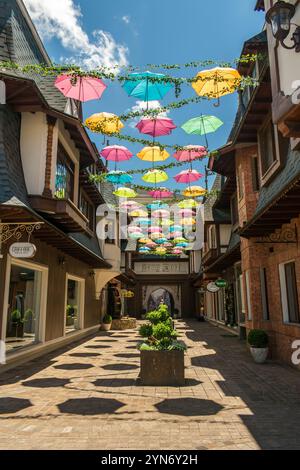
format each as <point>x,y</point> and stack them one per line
<point>17,328</point>
<point>106,322</point>
<point>162,356</point>
<point>258,341</point>
<point>70,311</point>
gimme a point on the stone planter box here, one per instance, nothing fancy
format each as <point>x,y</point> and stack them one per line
<point>126,323</point>
<point>162,368</point>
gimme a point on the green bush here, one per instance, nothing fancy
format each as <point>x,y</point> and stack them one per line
<point>16,316</point>
<point>163,330</point>
<point>258,339</point>
<point>107,319</point>
<point>158,316</point>
<point>146,330</point>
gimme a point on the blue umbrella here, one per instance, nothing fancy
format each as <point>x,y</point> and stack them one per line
<point>144,249</point>
<point>144,89</point>
<point>143,221</point>
<point>157,205</point>
<point>176,228</point>
<point>118,177</point>
<point>182,245</point>
<point>161,240</point>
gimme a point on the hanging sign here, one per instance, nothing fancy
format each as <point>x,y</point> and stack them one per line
<point>221,283</point>
<point>212,287</point>
<point>22,250</point>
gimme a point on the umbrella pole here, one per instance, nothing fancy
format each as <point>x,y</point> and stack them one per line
<point>217,104</point>
<point>205,135</point>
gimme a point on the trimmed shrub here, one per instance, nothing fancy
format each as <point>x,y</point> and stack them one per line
<point>146,330</point>
<point>258,339</point>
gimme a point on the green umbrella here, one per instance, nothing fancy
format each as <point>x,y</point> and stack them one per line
<point>202,125</point>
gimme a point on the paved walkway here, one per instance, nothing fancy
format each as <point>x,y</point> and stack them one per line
<point>86,397</point>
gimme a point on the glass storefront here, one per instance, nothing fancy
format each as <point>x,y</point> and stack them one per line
<point>73,313</point>
<point>24,307</point>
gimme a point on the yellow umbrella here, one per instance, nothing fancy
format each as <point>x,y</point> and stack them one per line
<point>161,251</point>
<point>153,154</point>
<point>167,222</point>
<point>187,203</point>
<point>155,176</point>
<point>188,221</point>
<point>138,213</point>
<point>125,192</point>
<point>217,82</point>
<point>194,191</point>
<point>145,241</point>
<point>106,123</point>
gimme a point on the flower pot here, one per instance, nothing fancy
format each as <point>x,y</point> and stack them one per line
<point>161,368</point>
<point>106,326</point>
<point>259,354</point>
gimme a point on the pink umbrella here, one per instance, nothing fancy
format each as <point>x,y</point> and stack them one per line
<point>116,153</point>
<point>156,127</point>
<point>133,229</point>
<point>80,88</point>
<point>159,213</point>
<point>177,251</point>
<point>151,245</point>
<point>190,153</point>
<point>176,234</point>
<point>186,213</point>
<point>161,193</point>
<point>188,176</point>
<point>155,229</point>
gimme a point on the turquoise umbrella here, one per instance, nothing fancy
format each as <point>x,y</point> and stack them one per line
<point>202,125</point>
<point>118,177</point>
<point>143,87</point>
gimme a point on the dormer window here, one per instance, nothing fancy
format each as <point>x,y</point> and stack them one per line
<point>64,182</point>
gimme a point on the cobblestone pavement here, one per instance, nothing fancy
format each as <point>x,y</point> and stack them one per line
<point>86,397</point>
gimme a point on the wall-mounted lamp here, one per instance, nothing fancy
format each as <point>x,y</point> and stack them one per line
<point>92,274</point>
<point>279,17</point>
<point>61,261</point>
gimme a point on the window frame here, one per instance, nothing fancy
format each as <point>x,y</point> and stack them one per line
<point>284,294</point>
<point>81,282</point>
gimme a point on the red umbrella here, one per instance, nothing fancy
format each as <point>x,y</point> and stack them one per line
<point>80,88</point>
<point>156,127</point>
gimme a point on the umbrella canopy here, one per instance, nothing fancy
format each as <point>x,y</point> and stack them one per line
<point>153,154</point>
<point>133,228</point>
<point>125,192</point>
<point>144,249</point>
<point>145,241</point>
<point>80,88</point>
<point>155,176</point>
<point>151,244</point>
<point>190,153</point>
<point>116,153</point>
<point>147,86</point>
<point>106,123</point>
<point>194,191</point>
<point>160,241</point>
<point>130,205</point>
<point>161,250</point>
<point>186,212</point>
<point>187,204</point>
<point>156,127</point>
<point>182,245</point>
<point>143,221</point>
<point>155,229</point>
<point>161,193</point>
<point>159,213</point>
<point>176,234</point>
<point>135,235</point>
<point>188,176</point>
<point>188,221</point>
<point>177,251</point>
<point>118,177</point>
<point>167,222</point>
<point>176,228</point>
<point>217,82</point>
<point>155,235</point>
<point>157,205</point>
<point>202,125</point>
<point>138,213</point>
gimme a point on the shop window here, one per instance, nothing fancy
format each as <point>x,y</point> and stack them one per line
<point>88,210</point>
<point>255,174</point>
<point>64,182</point>
<point>264,294</point>
<point>27,295</point>
<point>289,293</point>
<point>266,137</point>
<point>109,234</point>
<point>74,304</point>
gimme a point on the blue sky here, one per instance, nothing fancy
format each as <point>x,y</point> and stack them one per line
<point>150,31</point>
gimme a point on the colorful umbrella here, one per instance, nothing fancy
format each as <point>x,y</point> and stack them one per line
<point>187,204</point>
<point>106,123</point>
<point>160,213</point>
<point>133,228</point>
<point>190,153</point>
<point>177,251</point>
<point>116,153</point>
<point>160,241</point>
<point>130,205</point>
<point>147,86</point>
<point>143,221</point>
<point>161,193</point>
<point>144,249</point>
<point>188,221</point>
<point>188,176</point>
<point>157,205</point>
<point>202,125</point>
<point>194,191</point>
<point>176,234</point>
<point>176,228</point>
<point>151,244</point>
<point>167,222</point>
<point>156,127</point>
<point>186,212</point>
<point>182,245</point>
<point>217,82</point>
<point>125,192</point>
<point>118,177</point>
<point>155,229</point>
<point>138,213</point>
<point>180,240</point>
<point>80,88</point>
<point>161,250</point>
<point>145,241</point>
<point>153,154</point>
<point>155,235</point>
<point>135,235</point>
<point>155,176</point>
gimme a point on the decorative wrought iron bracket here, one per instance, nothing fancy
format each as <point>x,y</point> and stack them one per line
<point>287,235</point>
<point>17,230</point>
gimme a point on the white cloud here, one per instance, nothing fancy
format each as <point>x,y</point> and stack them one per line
<point>61,19</point>
<point>142,106</point>
<point>126,19</point>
